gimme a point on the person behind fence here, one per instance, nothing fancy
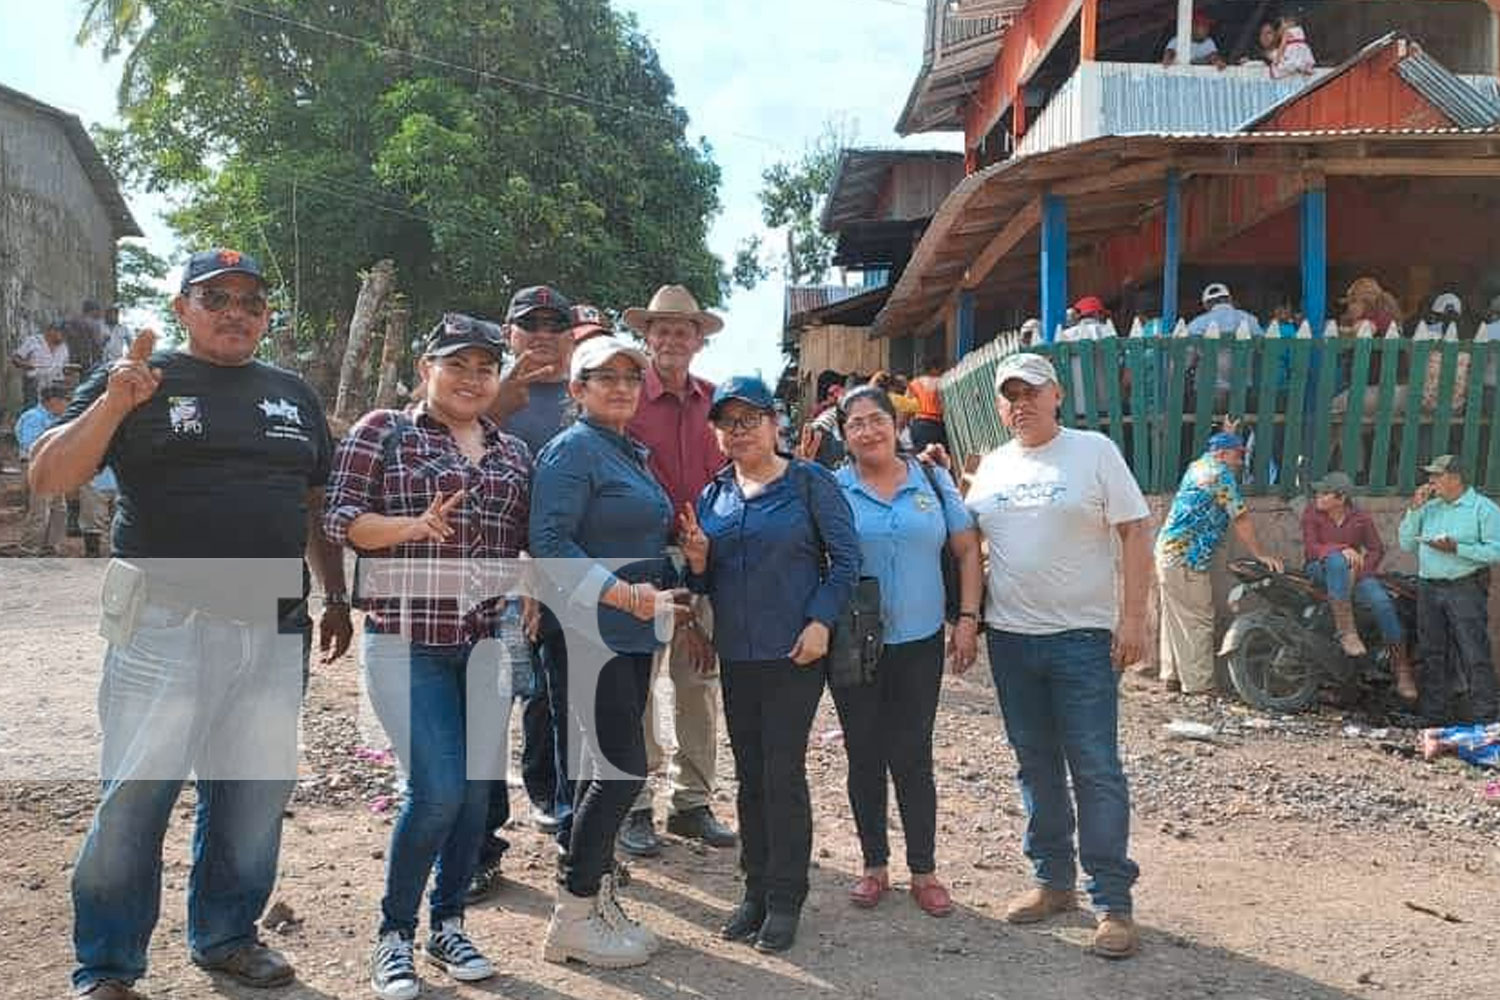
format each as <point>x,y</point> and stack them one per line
<point>1455,532</point>
<point>221,461</point>
<point>905,514</point>
<point>595,498</point>
<point>1053,503</point>
<point>1208,503</point>
<point>771,541</point>
<point>46,514</point>
<point>436,488</point>
<point>1343,550</point>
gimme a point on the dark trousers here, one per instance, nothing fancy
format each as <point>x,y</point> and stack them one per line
<point>888,731</point>
<point>768,709</point>
<point>602,801</point>
<point>1458,678</point>
<point>925,432</point>
<point>538,750</point>
<point>552,659</point>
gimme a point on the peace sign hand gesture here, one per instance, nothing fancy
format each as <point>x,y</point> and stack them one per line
<point>694,542</point>
<point>432,525</point>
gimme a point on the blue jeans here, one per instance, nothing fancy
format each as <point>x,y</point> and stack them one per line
<point>1059,696</point>
<point>189,694</point>
<point>442,707</point>
<point>1334,575</point>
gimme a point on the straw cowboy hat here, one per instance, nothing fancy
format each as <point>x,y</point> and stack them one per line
<point>673,302</point>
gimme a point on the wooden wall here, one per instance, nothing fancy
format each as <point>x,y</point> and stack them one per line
<point>1369,95</point>
<point>844,349</point>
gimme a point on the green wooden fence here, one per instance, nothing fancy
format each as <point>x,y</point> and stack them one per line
<point>1159,399</point>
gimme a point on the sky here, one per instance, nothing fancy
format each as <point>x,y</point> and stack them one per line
<point>758,78</point>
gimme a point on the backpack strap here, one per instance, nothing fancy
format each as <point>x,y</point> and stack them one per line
<point>938,493</point>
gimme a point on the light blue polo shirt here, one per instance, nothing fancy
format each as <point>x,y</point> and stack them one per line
<point>901,542</point>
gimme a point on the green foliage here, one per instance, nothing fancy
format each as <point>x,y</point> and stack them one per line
<point>138,276</point>
<point>792,195</point>
<point>482,145</point>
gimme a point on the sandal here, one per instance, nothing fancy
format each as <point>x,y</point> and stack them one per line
<point>933,898</point>
<point>868,889</point>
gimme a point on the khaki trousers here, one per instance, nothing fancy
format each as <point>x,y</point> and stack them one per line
<point>95,509</point>
<point>46,524</point>
<point>1187,627</point>
<point>695,705</point>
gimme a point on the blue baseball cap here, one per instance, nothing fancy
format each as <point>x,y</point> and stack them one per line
<point>1226,441</point>
<point>745,388</point>
<point>207,264</point>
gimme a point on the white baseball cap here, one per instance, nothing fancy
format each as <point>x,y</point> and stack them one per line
<point>596,352</point>
<point>1031,368</point>
<point>1448,303</point>
<point>1218,290</point>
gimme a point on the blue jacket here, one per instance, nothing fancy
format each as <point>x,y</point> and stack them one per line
<point>766,570</point>
<point>593,498</point>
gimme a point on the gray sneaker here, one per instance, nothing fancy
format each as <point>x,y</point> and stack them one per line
<point>393,974</point>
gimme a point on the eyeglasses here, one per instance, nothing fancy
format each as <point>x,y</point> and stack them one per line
<point>216,300</point>
<point>870,423</point>
<point>544,324</point>
<point>745,423</point>
<point>613,380</point>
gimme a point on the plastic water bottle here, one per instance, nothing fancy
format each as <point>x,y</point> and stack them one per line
<point>517,648</point>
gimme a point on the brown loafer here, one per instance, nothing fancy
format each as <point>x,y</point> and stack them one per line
<point>867,890</point>
<point>1038,904</point>
<point>252,965</point>
<point>112,989</point>
<point>933,898</point>
<point>1116,937</point>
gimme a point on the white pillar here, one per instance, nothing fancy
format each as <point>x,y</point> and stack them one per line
<point>1184,32</point>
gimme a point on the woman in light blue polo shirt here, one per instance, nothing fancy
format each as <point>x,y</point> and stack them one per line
<point>904,514</point>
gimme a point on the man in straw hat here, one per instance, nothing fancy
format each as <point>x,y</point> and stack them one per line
<point>673,422</point>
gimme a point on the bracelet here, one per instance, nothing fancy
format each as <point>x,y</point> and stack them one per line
<point>635,598</point>
<point>969,614</point>
<point>336,599</point>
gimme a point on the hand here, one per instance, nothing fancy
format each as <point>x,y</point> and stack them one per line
<point>697,648</point>
<point>808,442</point>
<point>963,644</point>
<point>694,541</point>
<point>131,380</point>
<point>649,597</point>
<point>515,386</point>
<point>432,525</point>
<point>1277,566</point>
<point>1443,544</point>
<point>812,645</point>
<point>1128,645</point>
<point>936,454</point>
<point>531,618</point>
<point>335,632</point>
<point>1355,558</point>
<point>1423,494</point>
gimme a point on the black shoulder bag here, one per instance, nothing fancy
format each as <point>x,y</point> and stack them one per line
<point>952,592</point>
<point>857,640</point>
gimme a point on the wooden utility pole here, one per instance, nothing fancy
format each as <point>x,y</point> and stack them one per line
<point>375,287</point>
<point>390,356</point>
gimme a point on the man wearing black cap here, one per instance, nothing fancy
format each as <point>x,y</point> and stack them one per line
<point>221,462</point>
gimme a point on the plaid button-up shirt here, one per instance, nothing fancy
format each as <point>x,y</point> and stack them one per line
<point>396,464</point>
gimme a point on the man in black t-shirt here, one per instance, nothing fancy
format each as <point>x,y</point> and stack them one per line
<point>221,462</point>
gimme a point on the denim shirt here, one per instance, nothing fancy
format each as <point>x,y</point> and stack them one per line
<point>594,498</point>
<point>766,571</point>
<point>901,542</point>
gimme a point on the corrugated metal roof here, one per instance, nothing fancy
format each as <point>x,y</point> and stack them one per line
<point>960,45</point>
<point>1452,96</point>
<point>858,179</point>
<point>100,176</point>
<point>805,298</point>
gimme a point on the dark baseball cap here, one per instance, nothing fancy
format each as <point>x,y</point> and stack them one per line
<point>539,298</point>
<point>457,331</point>
<point>744,388</point>
<point>207,264</point>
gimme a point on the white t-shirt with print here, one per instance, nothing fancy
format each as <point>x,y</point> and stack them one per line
<point>1049,515</point>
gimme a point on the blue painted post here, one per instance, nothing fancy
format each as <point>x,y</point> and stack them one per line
<point>1172,260</point>
<point>1315,258</point>
<point>1054,264</point>
<point>965,323</point>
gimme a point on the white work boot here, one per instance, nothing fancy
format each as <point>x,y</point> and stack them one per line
<point>616,917</point>
<point>579,932</point>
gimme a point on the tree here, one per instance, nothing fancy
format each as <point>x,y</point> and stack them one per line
<point>792,195</point>
<point>138,277</point>
<point>480,145</point>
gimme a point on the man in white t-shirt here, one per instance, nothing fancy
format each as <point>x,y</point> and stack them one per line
<point>43,360</point>
<point>1051,503</point>
<point>1204,51</point>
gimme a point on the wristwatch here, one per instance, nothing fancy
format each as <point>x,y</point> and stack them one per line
<point>336,599</point>
<point>969,614</point>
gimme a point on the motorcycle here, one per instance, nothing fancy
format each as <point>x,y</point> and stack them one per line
<point>1282,647</point>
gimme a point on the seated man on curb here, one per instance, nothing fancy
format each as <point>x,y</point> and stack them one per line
<point>1343,551</point>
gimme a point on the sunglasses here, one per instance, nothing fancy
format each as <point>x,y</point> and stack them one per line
<point>544,324</point>
<point>216,300</point>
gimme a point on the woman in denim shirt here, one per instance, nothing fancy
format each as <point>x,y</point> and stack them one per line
<point>431,491</point>
<point>771,542</point>
<point>597,500</point>
<point>904,516</point>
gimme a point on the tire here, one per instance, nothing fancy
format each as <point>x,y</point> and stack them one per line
<point>1270,675</point>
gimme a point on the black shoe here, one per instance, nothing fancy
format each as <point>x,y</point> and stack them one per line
<point>700,824</point>
<point>637,836</point>
<point>744,923</point>
<point>91,545</point>
<point>487,879</point>
<point>252,965</point>
<point>778,931</point>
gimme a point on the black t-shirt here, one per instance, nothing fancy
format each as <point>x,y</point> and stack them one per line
<point>217,464</point>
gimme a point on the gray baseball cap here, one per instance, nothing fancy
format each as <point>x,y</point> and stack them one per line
<point>1026,366</point>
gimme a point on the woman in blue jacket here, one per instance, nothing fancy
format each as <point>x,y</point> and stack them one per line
<point>771,541</point>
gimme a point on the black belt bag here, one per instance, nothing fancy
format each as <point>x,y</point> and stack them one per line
<point>858,637</point>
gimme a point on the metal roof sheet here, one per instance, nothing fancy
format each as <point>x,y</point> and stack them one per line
<point>1448,93</point>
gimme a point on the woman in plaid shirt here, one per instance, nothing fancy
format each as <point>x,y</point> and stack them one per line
<point>438,493</point>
